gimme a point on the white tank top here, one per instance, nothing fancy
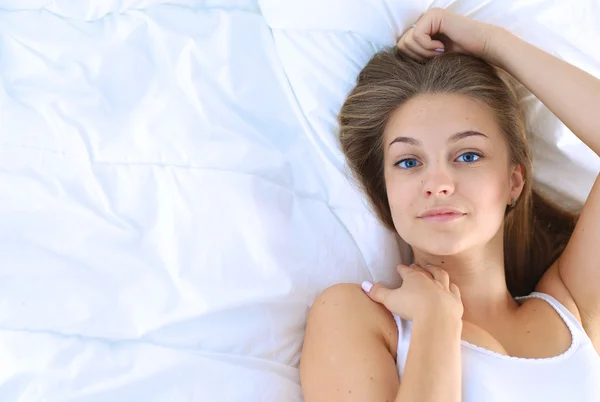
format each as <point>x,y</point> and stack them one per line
<point>573,376</point>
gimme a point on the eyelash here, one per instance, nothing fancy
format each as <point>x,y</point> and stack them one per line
<point>479,156</point>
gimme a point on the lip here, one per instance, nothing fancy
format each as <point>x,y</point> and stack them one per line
<point>441,215</point>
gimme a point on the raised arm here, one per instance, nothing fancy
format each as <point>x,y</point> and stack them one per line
<point>572,94</point>
<point>574,97</point>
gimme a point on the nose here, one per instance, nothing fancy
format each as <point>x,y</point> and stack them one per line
<point>438,182</point>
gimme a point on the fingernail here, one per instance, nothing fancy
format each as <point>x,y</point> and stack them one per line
<point>439,50</point>
<point>367,286</point>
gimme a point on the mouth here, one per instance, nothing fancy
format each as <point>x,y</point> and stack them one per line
<point>442,215</point>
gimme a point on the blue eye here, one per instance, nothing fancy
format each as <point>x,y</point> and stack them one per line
<point>469,157</point>
<point>408,163</point>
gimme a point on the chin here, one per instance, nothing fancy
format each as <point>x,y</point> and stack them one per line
<point>442,250</point>
<point>439,245</point>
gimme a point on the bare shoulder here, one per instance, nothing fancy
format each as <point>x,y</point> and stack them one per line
<point>348,304</point>
<point>349,350</point>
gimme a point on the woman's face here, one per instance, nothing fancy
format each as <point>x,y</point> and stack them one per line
<point>447,173</point>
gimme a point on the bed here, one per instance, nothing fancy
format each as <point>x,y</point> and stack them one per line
<point>172,194</point>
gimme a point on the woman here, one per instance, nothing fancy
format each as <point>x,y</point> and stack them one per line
<point>503,301</point>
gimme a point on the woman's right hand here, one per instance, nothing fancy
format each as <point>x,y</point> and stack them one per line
<point>424,292</point>
<point>447,31</point>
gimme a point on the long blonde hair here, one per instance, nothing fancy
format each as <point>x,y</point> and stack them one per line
<point>535,230</point>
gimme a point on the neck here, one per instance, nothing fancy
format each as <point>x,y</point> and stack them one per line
<point>480,277</point>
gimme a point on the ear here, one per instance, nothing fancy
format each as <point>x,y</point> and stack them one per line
<point>517,182</point>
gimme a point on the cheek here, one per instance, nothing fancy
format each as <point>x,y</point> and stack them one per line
<point>399,191</point>
<point>401,197</point>
<point>489,194</point>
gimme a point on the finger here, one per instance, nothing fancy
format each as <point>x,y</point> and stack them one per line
<point>428,44</point>
<point>439,275</point>
<point>415,47</point>
<point>401,46</point>
<point>404,270</point>
<point>418,268</point>
<point>375,291</point>
<point>455,290</point>
<point>412,54</point>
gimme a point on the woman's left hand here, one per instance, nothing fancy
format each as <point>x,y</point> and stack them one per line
<point>440,30</point>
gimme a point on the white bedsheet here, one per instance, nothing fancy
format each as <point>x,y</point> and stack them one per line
<point>172,197</point>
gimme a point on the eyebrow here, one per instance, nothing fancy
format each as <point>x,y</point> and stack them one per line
<point>455,137</point>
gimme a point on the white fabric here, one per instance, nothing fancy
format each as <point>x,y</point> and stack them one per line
<point>491,377</point>
<point>172,196</point>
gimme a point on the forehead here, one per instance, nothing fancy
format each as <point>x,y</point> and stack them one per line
<point>440,116</point>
